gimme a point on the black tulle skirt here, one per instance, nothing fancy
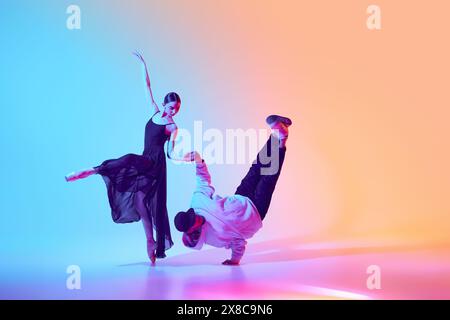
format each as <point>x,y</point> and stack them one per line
<point>128,178</point>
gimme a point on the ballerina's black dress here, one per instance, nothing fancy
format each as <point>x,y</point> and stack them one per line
<point>131,174</point>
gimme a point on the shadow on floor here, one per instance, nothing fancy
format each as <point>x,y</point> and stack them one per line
<point>286,250</point>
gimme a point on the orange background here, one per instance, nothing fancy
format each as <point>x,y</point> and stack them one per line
<point>368,153</point>
<point>369,150</point>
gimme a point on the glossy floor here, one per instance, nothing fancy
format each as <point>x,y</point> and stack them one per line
<point>278,269</point>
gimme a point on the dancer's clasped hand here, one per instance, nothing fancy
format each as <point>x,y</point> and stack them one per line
<point>193,156</point>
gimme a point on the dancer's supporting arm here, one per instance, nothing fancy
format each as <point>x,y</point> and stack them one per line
<point>154,106</point>
<point>237,246</point>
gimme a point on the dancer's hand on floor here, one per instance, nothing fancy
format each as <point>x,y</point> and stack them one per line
<point>230,263</point>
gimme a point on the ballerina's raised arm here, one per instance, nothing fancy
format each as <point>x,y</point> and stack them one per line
<point>155,107</point>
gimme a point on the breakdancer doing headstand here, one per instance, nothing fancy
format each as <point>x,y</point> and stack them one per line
<point>227,222</point>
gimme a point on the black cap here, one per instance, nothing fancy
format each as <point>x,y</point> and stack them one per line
<point>185,220</point>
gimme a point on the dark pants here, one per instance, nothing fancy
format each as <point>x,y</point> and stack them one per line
<point>259,183</point>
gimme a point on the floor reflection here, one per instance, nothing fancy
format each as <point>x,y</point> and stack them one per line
<point>279,269</point>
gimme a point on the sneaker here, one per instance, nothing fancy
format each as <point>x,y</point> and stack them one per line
<point>273,119</point>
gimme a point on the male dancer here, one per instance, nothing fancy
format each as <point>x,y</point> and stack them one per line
<point>226,222</point>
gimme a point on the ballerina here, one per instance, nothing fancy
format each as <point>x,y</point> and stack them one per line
<point>137,184</point>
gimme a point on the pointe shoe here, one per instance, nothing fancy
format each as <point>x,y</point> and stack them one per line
<point>151,246</point>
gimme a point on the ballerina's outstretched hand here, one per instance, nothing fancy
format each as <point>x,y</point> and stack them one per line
<point>147,80</point>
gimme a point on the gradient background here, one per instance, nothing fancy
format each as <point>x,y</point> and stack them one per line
<point>368,152</point>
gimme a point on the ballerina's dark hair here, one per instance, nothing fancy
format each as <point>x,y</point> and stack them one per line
<point>172,97</point>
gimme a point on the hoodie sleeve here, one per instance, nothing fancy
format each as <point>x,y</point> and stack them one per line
<point>237,249</point>
<point>203,180</point>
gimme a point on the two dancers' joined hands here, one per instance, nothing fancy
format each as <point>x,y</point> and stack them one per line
<point>193,156</point>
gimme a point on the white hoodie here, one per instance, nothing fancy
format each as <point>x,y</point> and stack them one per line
<point>229,220</point>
